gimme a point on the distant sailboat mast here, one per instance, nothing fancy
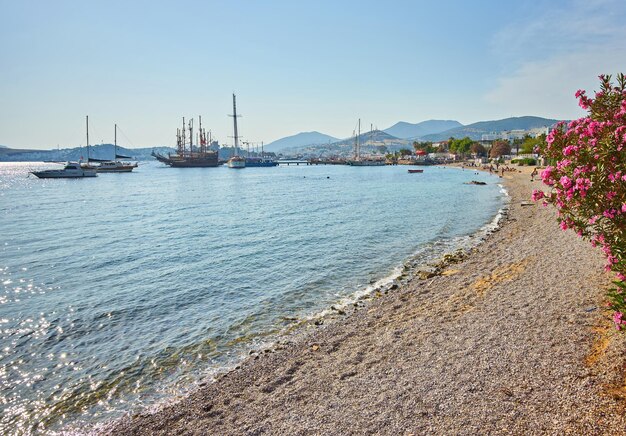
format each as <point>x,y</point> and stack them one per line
<point>234,115</point>
<point>236,161</point>
<point>183,138</point>
<point>87,119</point>
<point>190,137</point>
<point>358,143</point>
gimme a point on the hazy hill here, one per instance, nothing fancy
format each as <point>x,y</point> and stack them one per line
<point>476,130</point>
<point>102,151</point>
<point>376,137</point>
<point>7,151</point>
<point>302,139</point>
<point>406,130</point>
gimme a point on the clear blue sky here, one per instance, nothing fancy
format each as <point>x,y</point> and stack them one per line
<point>295,66</point>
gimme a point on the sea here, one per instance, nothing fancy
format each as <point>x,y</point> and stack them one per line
<point>124,291</point>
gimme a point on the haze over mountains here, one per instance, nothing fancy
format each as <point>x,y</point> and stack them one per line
<point>101,151</point>
<point>476,130</point>
<point>299,140</point>
<point>401,134</point>
<point>404,130</point>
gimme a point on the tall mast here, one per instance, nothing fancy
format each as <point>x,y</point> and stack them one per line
<point>235,125</point>
<point>358,138</point>
<point>115,142</point>
<point>87,119</point>
<point>183,138</point>
<point>191,136</point>
<point>201,142</point>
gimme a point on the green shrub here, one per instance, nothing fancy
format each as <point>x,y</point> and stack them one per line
<point>525,161</point>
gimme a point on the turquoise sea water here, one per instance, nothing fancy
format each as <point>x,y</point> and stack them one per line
<point>121,291</point>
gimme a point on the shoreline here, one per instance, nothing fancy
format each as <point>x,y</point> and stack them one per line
<point>444,352</point>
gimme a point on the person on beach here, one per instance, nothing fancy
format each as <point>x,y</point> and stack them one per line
<point>533,174</point>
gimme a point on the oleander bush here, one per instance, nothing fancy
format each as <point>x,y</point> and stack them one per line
<point>587,182</point>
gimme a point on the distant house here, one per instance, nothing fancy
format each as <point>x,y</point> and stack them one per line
<point>510,135</point>
<point>441,145</point>
<point>442,156</point>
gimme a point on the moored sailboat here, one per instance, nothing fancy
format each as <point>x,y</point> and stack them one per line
<point>236,161</point>
<point>359,161</point>
<point>115,165</point>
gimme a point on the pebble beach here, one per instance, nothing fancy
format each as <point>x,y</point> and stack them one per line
<point>510,338</point>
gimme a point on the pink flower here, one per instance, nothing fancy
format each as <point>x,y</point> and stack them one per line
<point>538,195</point>
<point>546,175</point>
<point>617,319</point>
<point>569,150</point>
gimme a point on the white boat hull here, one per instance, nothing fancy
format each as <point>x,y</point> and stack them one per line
<point>236,163</point>
<point>71,171</point>
<point>366,163</point>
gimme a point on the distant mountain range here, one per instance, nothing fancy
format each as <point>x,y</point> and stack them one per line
<point>102,151</point>
<point>476,130</point>
<point>302,139</point>
<point>397,136</point>
<point>377,137</point>
<point>406,130</point>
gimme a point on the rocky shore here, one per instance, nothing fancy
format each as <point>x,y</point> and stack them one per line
<point>510,339</point>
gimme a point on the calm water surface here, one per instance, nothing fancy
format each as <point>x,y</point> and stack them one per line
<point>123,290</point>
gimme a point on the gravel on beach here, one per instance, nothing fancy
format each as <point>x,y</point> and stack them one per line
<point>513,339</point>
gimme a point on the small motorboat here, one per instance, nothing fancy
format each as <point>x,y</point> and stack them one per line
<point>72,170</point>
<point>416,171</point>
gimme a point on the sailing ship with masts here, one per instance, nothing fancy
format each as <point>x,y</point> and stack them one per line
<point>358,160</point>
<point>187,154</point>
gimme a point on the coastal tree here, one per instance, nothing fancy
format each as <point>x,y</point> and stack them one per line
<point>500,147</point>
<point>478,149</point>
<point>460,146</point>
<point>426,146</point>
<point>587,183</point>
<point>531,144</point>
<point>405,152</point>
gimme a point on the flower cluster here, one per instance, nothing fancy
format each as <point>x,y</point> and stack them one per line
<point>587,179</point>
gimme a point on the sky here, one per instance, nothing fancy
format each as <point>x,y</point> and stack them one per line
<point>294,66</point>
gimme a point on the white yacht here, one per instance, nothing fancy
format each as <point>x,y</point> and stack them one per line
<point>71,171</point>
